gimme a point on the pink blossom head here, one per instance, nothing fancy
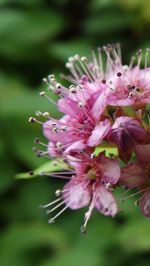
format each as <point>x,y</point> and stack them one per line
<point>103,107</point>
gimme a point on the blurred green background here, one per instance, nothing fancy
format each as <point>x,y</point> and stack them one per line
<point>36,37</point>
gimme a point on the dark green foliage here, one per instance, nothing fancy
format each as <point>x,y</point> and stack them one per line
<point>36,37</point>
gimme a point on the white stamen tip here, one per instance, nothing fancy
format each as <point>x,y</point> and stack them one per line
<point>80,104</point>
<point>50,221</point>
<point>46,114</point>
<point>32,119</point>
<point>83,229</point>
<point>76,57</point>
<point>68,65</point>
<point>45,80</point>
<point>42,93</point>
<point>83,58</point>
<point>58,192</point>
<point>51,76</point>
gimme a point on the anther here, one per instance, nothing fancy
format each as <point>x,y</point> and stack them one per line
<point>58,192</point>
<point>42,93</point>
<point>55,130</point>
<point>58,86</point>
<point>93,156</point>
<point>53,124</point>
<point>38,113</point>
<point>71,59</point>
<point>45,80</point>
<point>84,59</point>
<point>119,74</point>
<point>51,76</point>
<point>32,120</point>
<point>83,229</point>
<point>36,141</point>
<point>51,220</point>
<point>103,81</point>
<point>68,65</point>
<point>131,94</point>
<point>72,89</point>
<point>76,57</point>
<point>63,128</point>
<point>80,104</point>
<point>46,114</point>
<point>59,145</point>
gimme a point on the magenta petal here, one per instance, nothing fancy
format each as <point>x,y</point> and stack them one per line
<point>105,202</point>
<point>56,135</point>
<point>133,175</point>
<point>69,107</point>
<point>52,151</point>
<point>110,170</point>
<point>76,194</point>
<point>99,106</point>
<point>144,203</point>
<point>78,145</point>
<point>99,133</point>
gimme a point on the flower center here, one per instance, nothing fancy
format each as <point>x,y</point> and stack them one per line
<point>91,174</point>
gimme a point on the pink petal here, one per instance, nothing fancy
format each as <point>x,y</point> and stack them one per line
<point>52,149</point>
<point>78,145</point>
<point>76,194</point>
<point>99,133</point>
<point>145,203</point>
<point>114,101</point>
<point>110,170</point>
<point>69,107</point>
<point>105,202</point>
<point>133,175</point>
<point>58,135</point>
<point>99,106</point>
<point>77,164</point>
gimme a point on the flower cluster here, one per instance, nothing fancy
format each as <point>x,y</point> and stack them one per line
<point>105,108</point>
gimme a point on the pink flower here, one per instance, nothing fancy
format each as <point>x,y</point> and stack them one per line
<point>92,185</point>
<point>80,127</point>
<point>105,106</point>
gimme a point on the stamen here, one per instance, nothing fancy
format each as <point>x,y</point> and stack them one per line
<point>51,220</point>
<point>132,62</point>
<point>55,208</point>
<point>147,50</point>
<point>83,64</point>
<point>134,194</point>
<point>43,94</point>
<point>37,141</point>
<point>100,62</point>
<point>33,120</point>
<point>50,204</point>
<point>139,55</point>
<point>88,213</point>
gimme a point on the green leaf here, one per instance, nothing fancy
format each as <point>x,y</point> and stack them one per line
<point>48,167</point>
